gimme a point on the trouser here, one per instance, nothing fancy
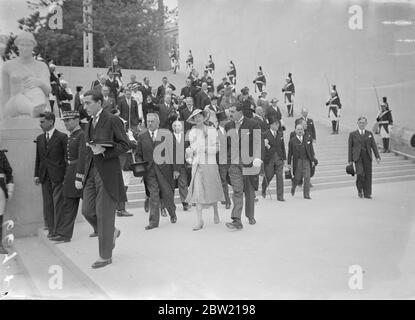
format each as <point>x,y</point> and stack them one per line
<point>303,172</point>
<point>182,184</point>
<point>223,171</point>
<point>335,125</point>
<point>121,205</point>
<point>98,208</point>
<point>241,185</point>
<point>274,167</point>
<point>52,194</point>
<point>364,173</point>
<point>386,142</point>
<point>157,184</point>
<point>67,221</point>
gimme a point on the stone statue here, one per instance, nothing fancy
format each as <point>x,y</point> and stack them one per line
<point>25,82</point>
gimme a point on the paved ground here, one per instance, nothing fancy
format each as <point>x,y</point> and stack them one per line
<point>298,249</point>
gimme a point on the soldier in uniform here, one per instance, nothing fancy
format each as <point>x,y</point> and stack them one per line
<point>334,109</point>
<point>75,157</point>
<point>189,61</point>
<point>385,123</point>
<point>210,66</point>
<point>289,93</point>
<point>232,74</point>
<point>260,82</point>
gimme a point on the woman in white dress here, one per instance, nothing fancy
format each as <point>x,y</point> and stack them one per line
<point>205,188</point>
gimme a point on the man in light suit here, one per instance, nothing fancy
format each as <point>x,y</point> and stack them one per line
<point>361,144</point>
<point>159,174</point>
<point>103,184</point>
<point>129,111</point>
<point>50,167</point>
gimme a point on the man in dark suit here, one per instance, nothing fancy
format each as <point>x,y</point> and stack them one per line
<point>103,183</point>
<point>108,103</point>
<point>50,169</point>
<point>245,149</point>
<point>361,144</point>
<point>309,128</point>
<point>129,111</point>
<point>167,113</point>
<point>202,98</point>
<point>75,167</point>
<point>185,112</point>
<point>188,90</point>
<point>180,172</point>
<point>259,116</point>
<point>274,112</point>
<point>274,158</point>
<point>222,156</point>
<point>159,170</point>
<point>301,156</point>
<point>161,91</point>
<point>145,88</point>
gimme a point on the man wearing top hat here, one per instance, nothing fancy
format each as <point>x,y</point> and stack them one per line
<point>361,144</point>
<point>103,183</point>
<point>74,175</point>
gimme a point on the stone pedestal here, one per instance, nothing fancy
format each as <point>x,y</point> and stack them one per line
<point>25,208</point>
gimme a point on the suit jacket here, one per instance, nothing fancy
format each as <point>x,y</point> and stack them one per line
<point>129,114</point>
<point>276,146</point>
<point>184,115</point>
<point>145,152</point>
<point>357,142</point>
<point>310,127</point>
<point>179,152</point>
<point>271,114</point>
<point>113,85</point>
<point>167,116</point>
<point>146,91</point>
<point>202,100</point>
<point>294,151</point>
<point>109,104</point>
<point>50,157</point>
<point>108,128</point>
<point>188,92</point>
<point>161,91</point>
<point>263,124</point>
<point>75,169</point>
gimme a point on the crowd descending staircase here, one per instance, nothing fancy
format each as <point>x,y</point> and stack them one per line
<point>331,152</point>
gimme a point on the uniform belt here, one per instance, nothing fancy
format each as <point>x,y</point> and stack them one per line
<point>333,105</point>
<point>287,91</point>
<point>383,122</point>
<point>2,175</point>
<point>73,161</point>
<point>64,101</point>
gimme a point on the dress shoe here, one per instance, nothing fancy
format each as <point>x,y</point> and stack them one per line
<point>51,235</point>
<point>368,197</point>
<point>124,213</point>
<point>146,204</point>
<point>149,227</point>
<point>173,219</point>
<point>252,220</point>
<point>264,194</point>
<point>228,205</point>
<point>117,233</point>
<point>60,239</point>
<point>234,225</point>
<point>360,193</point>
<point>100,264</point>
<point>198,227</point>
<point>308,198</point>
<point>163,212</point>
<point>292,191</point>
<point>281,199</point>
<point>93,235</point>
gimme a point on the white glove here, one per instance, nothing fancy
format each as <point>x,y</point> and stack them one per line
<point>266,142</point>
<point>78,185</point>
<point>257,162</point>
<point>10,189</point>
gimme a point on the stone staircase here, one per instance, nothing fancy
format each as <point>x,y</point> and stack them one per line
<point>331,152</point>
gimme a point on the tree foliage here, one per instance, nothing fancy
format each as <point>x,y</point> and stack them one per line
<point>128,29</point>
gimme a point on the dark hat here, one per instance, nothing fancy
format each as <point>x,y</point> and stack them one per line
<point>79,88</point>
<point>214,98</point>
<point>70,115</point>
<point>350,169</point>
<point>221,116</point>
<point>288,174</point>
<point>139,168</point>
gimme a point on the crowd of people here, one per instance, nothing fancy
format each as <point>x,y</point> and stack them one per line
<point>199,141</point>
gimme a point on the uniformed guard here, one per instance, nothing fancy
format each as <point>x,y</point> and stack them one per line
<point>260,82</point>
<point>74,175</point>
<point>334,109</point>
<point>289,93</point>
<point>210,66</point>
<point>232,74</point>
<point>385,123</point>
<point>189,61</point>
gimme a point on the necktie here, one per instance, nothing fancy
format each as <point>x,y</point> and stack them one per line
<point>273,133</point>
<point>47,137</point>
<point>152,136</point>
<point>94,121</point>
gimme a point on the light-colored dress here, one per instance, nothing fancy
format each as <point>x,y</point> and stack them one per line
<point>205,187</point>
